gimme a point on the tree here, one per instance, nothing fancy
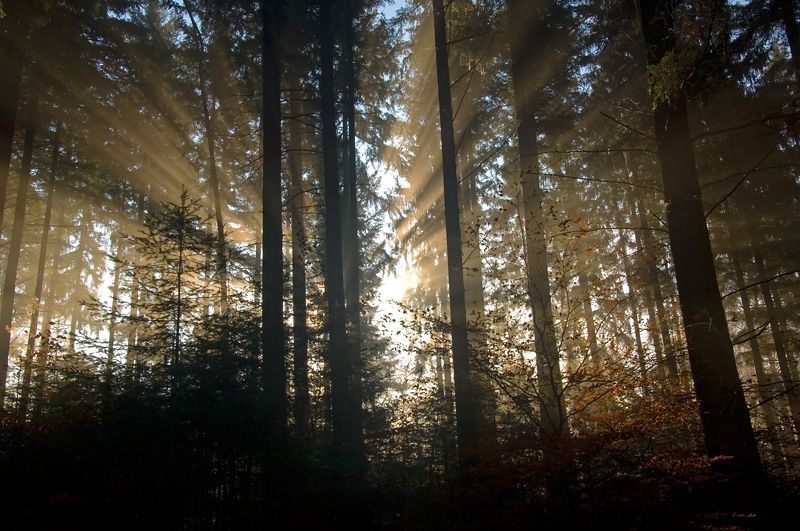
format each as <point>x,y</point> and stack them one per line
<point>210,135</point>
<point>344,419</point>
<point>300,244</point>
<point>14,28</point>
<point>524,71</point>
<point>37,291</point>
<point>273,342</point>
<point>173,248</point>
<point>723,410</point>
<point>466,405</point>
<point>351,247</point>
<point>15,243</point>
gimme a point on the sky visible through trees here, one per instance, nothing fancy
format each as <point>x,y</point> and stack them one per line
<point>472,264</point>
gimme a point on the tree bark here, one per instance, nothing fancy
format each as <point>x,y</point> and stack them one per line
<point>302,405</point>
<point>793,36</point>
<point>657,313</point>
<point>344,429</point>
<point>788,374</point>
<point>466,403</point>
<point>15,244</point>
<point>30,352</point>
<point>633,282</point>
<point>723,411</point>
<point>475,302</point>
<point>274,350</point>
<point>12,58</point>
<point>132,361</point>
<point>273,347</point>
<point>764,383</point>
<point>213,175</point>
<point>548,363</point>
<point>350,245</point>
<point>112,325</point>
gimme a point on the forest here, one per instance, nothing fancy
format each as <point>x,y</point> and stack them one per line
<point>410,264</point>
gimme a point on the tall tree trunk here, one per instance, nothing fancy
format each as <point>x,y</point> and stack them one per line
<point>475,302</point>
<point>793,36</point>
<point>40,376</point>
<point>659,328</point>
<point>112,324</point>
<point>723,410</point>
<point>788,374</point>
<point>633,283</point>
<point>132,361</point>
<point>351,246</point>
<point>30,353</point>
<point>655,301</point>
<point>763,381</point>
<point>15,244</point>
<point>12,57</point>
<point>273,342</point>
<point>213,176</point>
<point>344,430</point>
<point>466,403</point>
<point>548,363</point>
<point>588,315</point>
<point>257,268</point>
<point>76,303</point>
<point>302,405</point>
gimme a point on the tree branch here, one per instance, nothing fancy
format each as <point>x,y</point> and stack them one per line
<point>770,279</point>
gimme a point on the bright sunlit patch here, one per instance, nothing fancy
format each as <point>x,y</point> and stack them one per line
<point>393,288</point>
<point>390,296</point>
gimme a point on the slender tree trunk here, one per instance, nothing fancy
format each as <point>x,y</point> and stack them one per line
<point>302,405</point>
<point>764,382</point>
<point>132,360</point>
<point>792,35</point>
<point>30,353</point>
<point>633,304</point>
<point>723,410</point>
<point>112,324</point>
<point>351,245</point>
<point>588,315</point>
<point>12,56</point>
<point>466,403</point>
<point>343,419</point>
<point>788,374</point>
<point>75,316</point>
<point>446,359</point>
<point>15,244</point>
<point>40,376</point>
<point>548,363</point>
<point>213,176</point>
<point>476,308</point>
<point>273,342</point>
<point>659,328</point>
<point>655,302</point>
<point>272,302</point>
<point>548,366</point>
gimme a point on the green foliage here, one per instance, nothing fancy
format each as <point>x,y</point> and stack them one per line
<point>670,77</point>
